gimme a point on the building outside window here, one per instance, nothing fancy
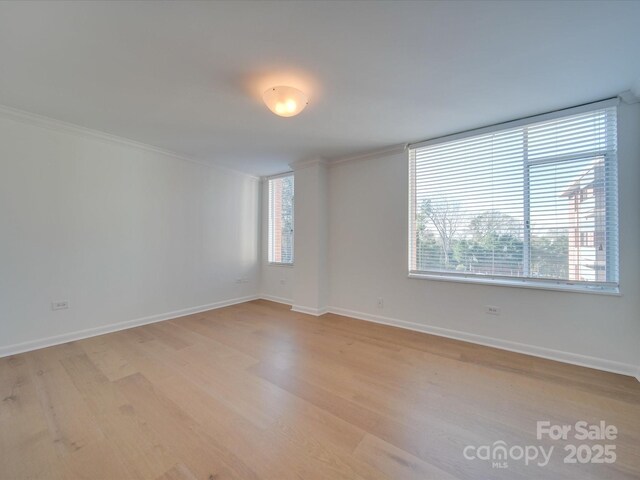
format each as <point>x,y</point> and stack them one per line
<point>280,235</point>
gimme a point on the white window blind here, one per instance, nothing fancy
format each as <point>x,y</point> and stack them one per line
<point>280,236</point>
<point>529,202</point>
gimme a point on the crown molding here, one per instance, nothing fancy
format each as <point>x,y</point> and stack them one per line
<point>371,154</point>
<point>632,95</point>
<point>73,129</point>
<point>629,97</point>
<point>306,163</point>
<point>266,178</point>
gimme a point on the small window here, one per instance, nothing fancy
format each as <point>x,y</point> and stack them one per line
<point>281,220</point>
<point>586,239</point>
<point>531,203</point>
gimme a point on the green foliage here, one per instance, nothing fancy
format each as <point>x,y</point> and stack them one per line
<point>491,244</point>
<point>550,256</point>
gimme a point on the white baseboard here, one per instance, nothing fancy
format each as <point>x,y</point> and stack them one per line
<point>551,354</point>
<point>542,352</point>
<point>271,298</point>
<point>114,327</point>
<point>309,311</point>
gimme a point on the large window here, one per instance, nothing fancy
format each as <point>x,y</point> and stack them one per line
<point>531,202</point>
<point>281,220</point>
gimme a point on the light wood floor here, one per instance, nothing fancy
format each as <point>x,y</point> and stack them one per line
<point>257,391</point>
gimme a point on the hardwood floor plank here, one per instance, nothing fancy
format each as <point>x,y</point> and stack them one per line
<point>167,335</point>
<point>258,402</point>
<point>433,446</point>
<point>179,472</point>
<point>395,462</point>
<point>95,461</point>
<point>203,454</point>
<point>255,391</point>
<point>102,354</point>
<point>240,435</point>
<point>24,433</point>
<point>132,440</point>
<point>69,420</point>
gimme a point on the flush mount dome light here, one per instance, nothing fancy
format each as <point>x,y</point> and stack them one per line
<point>285,101</point>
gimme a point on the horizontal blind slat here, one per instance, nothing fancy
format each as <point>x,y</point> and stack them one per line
<point>468,210</point>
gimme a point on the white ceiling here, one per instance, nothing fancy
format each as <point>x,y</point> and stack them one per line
<point>187,76</point>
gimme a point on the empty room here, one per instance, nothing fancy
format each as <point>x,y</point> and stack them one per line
<point>319,240</point>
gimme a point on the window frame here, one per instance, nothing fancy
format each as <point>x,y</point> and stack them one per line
<point>268,181</point>
<point>611,165</point>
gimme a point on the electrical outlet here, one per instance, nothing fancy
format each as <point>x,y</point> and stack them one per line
<point>380,303</point>
<point>491,310</point>
<point>60,305</point>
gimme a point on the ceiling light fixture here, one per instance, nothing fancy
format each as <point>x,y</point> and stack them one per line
<point>285,101</point>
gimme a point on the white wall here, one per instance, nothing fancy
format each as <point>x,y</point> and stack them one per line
<point>310,273</point>
<point>304,285</point>
<point>125,233</point>
<point>121,232</point>
<point>368,259</point>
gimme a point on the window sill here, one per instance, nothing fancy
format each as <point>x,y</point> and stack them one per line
<point>528,284</point>
<point>277,264</point>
